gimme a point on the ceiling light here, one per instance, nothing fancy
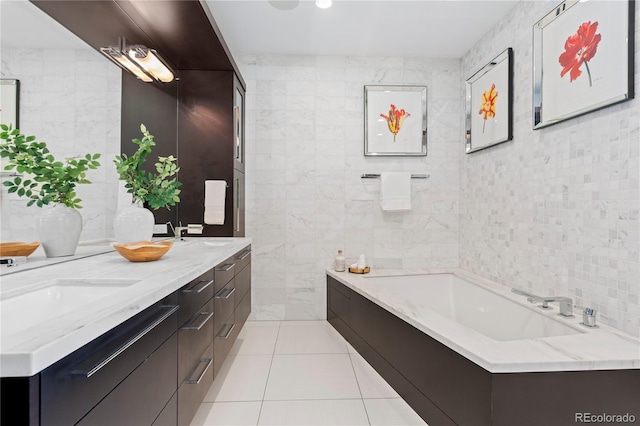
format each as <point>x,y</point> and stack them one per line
<point>324,4</point>
<point>284,4</point>
<point>141,61</point>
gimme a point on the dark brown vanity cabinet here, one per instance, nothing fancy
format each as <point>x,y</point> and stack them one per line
<point>153,369</point>
<point>101,383</point>
<point>195,345</point>
<point>232,303</point>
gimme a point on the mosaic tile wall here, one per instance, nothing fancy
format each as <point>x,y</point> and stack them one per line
<point>305,197</point>
<point>70,99</point>
<point>556,210</point>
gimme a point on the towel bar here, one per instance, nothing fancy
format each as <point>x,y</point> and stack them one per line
<point>377,175</point>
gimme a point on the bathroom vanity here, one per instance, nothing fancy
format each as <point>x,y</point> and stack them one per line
<point>101,340</point>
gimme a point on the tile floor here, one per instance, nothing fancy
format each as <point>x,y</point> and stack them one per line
<point>299,373</point>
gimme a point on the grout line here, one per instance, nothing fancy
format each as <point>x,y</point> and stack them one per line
<point>316,399</point>
<point>353,367</point>
<point>264,393</point>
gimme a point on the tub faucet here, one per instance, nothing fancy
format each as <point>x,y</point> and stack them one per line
<point>566,304</point>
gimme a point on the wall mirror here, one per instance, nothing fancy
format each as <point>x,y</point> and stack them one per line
<point>70,98</point>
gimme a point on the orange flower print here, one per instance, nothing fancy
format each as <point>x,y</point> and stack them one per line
<point>579,49</point>
<point>488,107</point>
<point>395,119</point>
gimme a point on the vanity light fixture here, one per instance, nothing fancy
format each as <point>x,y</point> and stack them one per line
<point>324,4</point>
<point>141,61</point>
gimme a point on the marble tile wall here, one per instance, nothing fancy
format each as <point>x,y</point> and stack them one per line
<point>305,197</point>
<point>556,210</point>
<point>70,99</point>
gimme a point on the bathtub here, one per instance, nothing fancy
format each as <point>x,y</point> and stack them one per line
<point>462,350</point>
<point>451,296</point>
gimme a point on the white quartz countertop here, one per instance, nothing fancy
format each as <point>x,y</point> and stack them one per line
<point>602,348</point>
<point>28,349</point>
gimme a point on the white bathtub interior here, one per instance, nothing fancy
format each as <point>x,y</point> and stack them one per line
<point>470,305</point>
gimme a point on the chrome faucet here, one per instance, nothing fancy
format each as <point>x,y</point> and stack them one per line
<point>177,231</point>
<point>565,303</point>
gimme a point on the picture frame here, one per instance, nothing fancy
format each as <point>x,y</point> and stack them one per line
<point>582,59</point>
<point>395,121</point>
<point>10,102</point>
<point>489,104</point>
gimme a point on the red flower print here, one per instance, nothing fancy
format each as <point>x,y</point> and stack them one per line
<point>579,49</point>
<point>488,107</point>
<point>395,119</point>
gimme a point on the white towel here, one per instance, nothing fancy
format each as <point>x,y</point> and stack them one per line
<point>214,197</point>
<point>395,191</point>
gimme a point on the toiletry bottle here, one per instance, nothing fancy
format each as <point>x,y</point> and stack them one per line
<point>338,264</point>
<point>362,263</point>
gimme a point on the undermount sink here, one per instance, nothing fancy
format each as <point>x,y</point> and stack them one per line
<point>218,242</point>
<point>50,299</point>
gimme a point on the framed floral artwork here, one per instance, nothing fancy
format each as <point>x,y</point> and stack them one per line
<point>395,121</point>
<point>9,92</point>
<point>489,104</point>
<point>583,59</point>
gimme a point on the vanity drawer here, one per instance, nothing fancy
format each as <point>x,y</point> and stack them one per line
<point>194,295</point>
<point>242,258</point>
<point>131,403</point>
<point>194,387</point>
<point>224,304</point>
<point>222,344</point>
<point>224,272</point>
<point>243,282</point>
<point>243,310</point>
<point>169,413</point>
<point>193,338</point>
<point>71,387</point>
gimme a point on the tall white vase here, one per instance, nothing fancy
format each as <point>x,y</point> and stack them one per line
<point>59,229</point>
<point>133,223</point>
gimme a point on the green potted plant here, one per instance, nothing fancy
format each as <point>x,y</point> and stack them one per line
<point>44,180</point>
<point>160,189</point>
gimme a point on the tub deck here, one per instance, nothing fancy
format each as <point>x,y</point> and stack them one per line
<point>604,348</point>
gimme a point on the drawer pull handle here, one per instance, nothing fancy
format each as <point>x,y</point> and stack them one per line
<point>193,289</point>
<point>244,255</point>
<point>207,316</point>
<point>113,355</point>
<point>229,291</point>
<point>226,267</point>
<point>228,333</point>
<point>207,362</point>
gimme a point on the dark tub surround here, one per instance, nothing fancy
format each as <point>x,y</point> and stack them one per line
<point>446,388</point>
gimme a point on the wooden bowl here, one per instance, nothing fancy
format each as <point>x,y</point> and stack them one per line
<point>354,270</point>
<point>18,248</point>
<point>143,251</point>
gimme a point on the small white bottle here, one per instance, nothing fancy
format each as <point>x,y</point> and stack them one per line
<point>339,264</point>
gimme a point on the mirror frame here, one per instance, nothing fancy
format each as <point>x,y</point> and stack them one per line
<point>10,95</point>
<point>621,14</point>
<point>505,79</point>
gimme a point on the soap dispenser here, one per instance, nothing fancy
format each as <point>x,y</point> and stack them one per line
<point>339,263</point>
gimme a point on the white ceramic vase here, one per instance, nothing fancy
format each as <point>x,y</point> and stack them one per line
<point>59,229</point>
<point>133,223</point>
